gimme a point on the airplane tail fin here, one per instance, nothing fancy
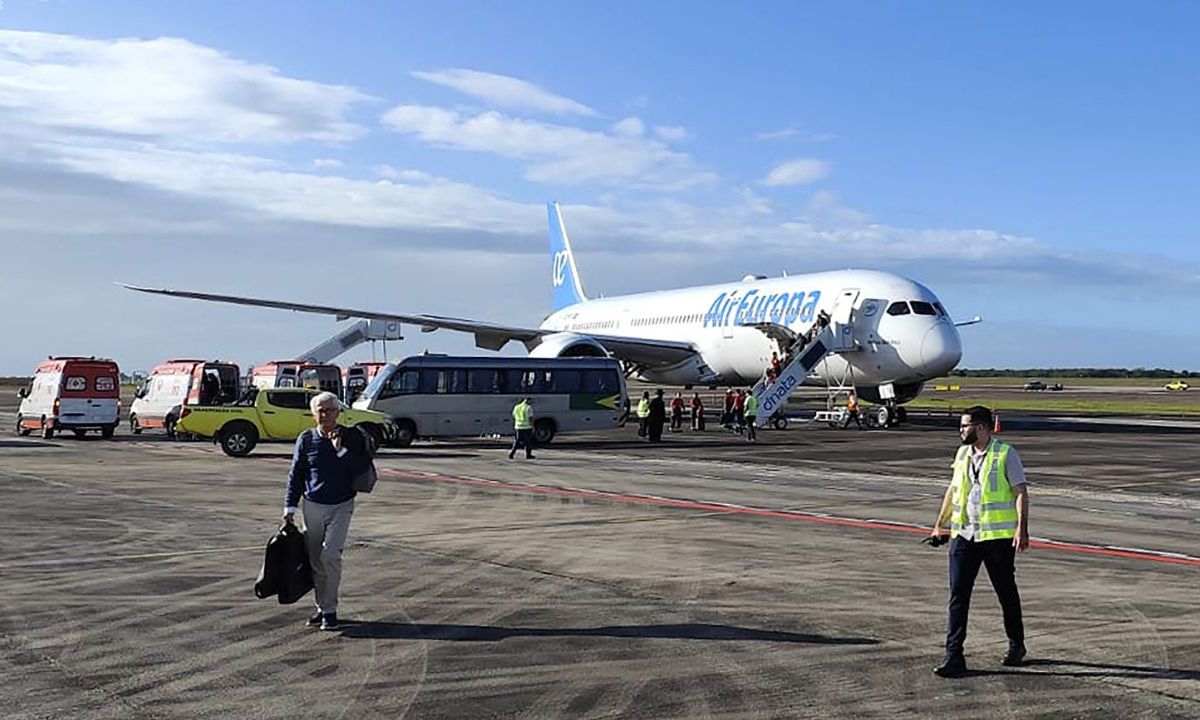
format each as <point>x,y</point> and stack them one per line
<point>564,276</point>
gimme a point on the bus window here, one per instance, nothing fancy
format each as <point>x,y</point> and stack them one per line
<point>600,381</point>
<point>535,381</point>
<point>482,381</point>
<point>451,382</point>
<point>404,382</point>
<point>564,381</point>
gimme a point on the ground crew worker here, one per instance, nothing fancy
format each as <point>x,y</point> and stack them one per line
<point>643,412</point>
<point>751,416</point>
<point>523,425</point>
<point>987,506</point>
<point>852,410</point>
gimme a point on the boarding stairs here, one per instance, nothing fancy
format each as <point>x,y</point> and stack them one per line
<point>357,333</point>
<point>836,335</point>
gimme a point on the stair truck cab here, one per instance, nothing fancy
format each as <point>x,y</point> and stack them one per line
<point>176,383</point>
<point>358,376</point>
<point>71,393</point>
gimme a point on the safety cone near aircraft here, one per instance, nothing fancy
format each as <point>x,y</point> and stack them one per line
<point>995,422</point>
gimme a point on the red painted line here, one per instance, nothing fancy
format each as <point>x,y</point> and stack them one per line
<point>707,506</point>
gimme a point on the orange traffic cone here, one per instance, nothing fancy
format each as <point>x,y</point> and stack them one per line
<point>995,423</point>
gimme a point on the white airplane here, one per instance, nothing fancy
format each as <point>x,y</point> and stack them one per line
<point>715,334</point>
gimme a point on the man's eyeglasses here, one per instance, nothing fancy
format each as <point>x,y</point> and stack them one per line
<point>325,410</point>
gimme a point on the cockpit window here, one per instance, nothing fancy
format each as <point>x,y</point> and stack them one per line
<point>941,310</point>
<point>921,307</point>
<point>898,308</point>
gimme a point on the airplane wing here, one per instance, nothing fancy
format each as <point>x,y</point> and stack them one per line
<point>490,336</point>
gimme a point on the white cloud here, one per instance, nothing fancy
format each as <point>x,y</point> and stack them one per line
<point>504,91</point>
<point>630,127</point>
<point>165,88</point>
<point>559,154</point>
<point>799,171</point>
<point>672,133</point>
<point>413,176</point>
<point>327,163</point>
<point>795,134</point>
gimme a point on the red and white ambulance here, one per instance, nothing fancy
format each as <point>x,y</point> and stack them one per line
<point>297,373</point>
<point>358,376</point>
<point>176,383</point>
<point>71,393</point>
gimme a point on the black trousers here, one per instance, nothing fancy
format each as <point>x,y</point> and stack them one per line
<point>523,438</point>
<point>999,558</point>
<point>750,430</point>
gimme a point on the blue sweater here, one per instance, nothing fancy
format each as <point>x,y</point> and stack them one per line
<point>319,474</point>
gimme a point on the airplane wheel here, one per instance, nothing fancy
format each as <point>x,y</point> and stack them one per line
<point>883,416</point>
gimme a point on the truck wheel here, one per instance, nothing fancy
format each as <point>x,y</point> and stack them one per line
<point>238,438</point>
<point>543,431</point>
<point>21,429</point>
<point>406,432</point>
<point>373,435</point>
<point>133,425</point>
<point>107,431</point>
<point>169,426</point>
<point>47,429</point>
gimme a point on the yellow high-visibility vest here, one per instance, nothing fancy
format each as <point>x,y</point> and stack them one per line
<point>522,416</point>
<point>643,410</point>
<point>997,505</point>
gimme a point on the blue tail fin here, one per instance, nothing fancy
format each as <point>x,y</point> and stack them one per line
<point>564,276</point>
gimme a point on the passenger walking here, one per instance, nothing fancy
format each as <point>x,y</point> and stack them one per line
<point>643,413</point>
<point>987,506</point>
<point>776,364</point>
<point>727,412</point>
<point>657,417</point>
<point>522,414</point>
<point>697,412</point>
<point>739,412</point>
<point>751,417</point>
<point>677,412</point>
<point>324,463</point>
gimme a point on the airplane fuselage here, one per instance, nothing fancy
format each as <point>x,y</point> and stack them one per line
<point>904,332</point>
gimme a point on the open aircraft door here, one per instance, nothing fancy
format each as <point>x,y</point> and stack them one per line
<point>841,319</point>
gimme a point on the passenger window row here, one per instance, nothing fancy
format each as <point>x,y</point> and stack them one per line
<point>428,381</point>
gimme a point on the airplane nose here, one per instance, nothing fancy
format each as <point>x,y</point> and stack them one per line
<point>941,349</point>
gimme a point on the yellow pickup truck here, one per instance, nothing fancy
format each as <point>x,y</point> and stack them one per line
<point>279,414</point>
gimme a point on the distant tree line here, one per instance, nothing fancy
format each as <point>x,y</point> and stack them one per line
<point>1076,372</point>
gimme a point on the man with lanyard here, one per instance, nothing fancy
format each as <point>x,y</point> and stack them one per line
<point>987,505</point>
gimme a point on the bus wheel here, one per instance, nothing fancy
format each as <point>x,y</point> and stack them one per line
<point>238,438</point>
<point>21,429</point>
<point>47,429</point>
<point>373,435</point>
<point>406,432</point>
<point>133,425</point>
<point>543,431</point>
<point>107,431</point>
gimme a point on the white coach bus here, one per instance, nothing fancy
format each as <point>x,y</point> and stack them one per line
<point>433,396</point>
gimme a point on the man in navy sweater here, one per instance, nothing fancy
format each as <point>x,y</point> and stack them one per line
<point>324,464</point>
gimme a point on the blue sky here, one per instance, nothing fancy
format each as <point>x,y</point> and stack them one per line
<point>1035,163</point>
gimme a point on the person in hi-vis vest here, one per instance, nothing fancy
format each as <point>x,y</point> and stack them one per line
<point>987,507</point>
<point>523,424</point>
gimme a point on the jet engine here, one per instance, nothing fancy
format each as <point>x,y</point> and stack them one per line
<point>565,344</point>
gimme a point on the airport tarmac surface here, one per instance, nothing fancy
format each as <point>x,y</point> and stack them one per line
<point>607,578</point>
